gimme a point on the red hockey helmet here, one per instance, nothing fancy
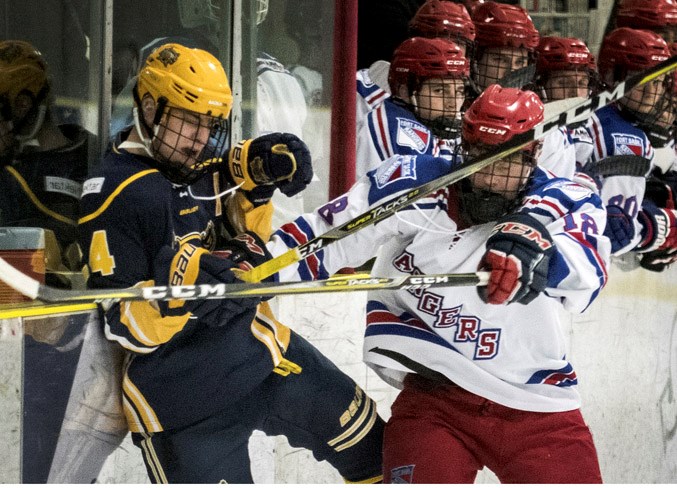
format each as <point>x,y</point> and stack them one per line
<point>441,18</point>
<point>626,50</point>
<point>647,14</point>
<point>502,25</point>
<point>499,114</point>
<point>471,5</point>
<point>420,58</point>
<point>562,53</point>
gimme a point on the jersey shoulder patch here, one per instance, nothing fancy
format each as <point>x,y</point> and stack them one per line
<point>401,167</point>
<point>412,134</point>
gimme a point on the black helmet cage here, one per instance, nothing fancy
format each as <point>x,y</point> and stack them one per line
<point>647,106</point>
<point>511,79</point>
<point>441,126</point>
<point>185,164</point>
<point>595,84</point>
<point>480,205</point>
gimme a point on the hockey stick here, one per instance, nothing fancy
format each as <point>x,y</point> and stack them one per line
<point>37,291</point>
<point>619,165</point>
<point>575,110</point>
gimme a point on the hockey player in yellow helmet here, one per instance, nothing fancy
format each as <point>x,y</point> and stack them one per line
<point>202,375</point>
<point>24,88</point>
<point>43,162</point>
<point>182,102</point>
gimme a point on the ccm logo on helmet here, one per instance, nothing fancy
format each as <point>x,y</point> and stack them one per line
<point>492,130</point>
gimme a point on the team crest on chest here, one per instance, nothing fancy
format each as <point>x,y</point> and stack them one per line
<point>412,134</point>
<point>628,144</point>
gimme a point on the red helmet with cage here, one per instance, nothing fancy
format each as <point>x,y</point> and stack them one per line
<point>420,58</point>
<point>495,117</point>
<point>502,25</point>
<point>441,18</point>
<point>499,114</point>
<point>647,14</point>
<point>562,53</point>
<point>626,50</point>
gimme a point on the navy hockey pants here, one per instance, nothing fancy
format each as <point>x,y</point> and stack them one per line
<point>320,409</point>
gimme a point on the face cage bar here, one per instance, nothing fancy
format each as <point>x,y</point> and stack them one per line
<point>187,143</point>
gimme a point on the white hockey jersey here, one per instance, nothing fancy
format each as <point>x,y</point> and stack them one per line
<point>391,129</point>
<point>280,107</point>
<point>370,94</point>
<point>514,355</point>
<point>558,153</point>
<point>613,135</point>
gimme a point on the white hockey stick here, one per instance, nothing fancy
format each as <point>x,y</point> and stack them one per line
<point>32,288</point>
<point>566,112</point>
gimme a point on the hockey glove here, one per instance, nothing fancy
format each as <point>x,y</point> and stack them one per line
<point>246,250</point>
<point>659,236</point>
<point>620,227</point>
<point>277,160</point>
<point>518,256</point>
<point>193,265</point>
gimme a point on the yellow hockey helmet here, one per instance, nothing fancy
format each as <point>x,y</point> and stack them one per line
<point>22,69</point>
<point>190,79</point>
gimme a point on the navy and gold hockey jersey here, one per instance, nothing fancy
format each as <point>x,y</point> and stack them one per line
<point>42,188</point>
<point>187,359</point>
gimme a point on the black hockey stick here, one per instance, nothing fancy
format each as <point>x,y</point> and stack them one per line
<point>619,165</point>
<point>37,291</point>
<point>573,111</point>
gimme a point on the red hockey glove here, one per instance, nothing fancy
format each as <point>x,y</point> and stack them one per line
<point>276,160</point>
<point>518,256</point>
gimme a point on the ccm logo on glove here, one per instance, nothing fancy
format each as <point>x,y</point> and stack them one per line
<point>518,258</point>
<point>524,231</point>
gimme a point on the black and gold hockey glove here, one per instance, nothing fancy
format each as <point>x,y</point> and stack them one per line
<point>275,160</point>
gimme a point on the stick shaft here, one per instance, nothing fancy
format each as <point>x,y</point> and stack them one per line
<point>35,290</point>
<point>574,112</point>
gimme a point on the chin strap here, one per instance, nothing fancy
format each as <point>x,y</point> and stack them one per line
<point>146,143</point>
<point>29,139</point>
<point>214,197</point>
